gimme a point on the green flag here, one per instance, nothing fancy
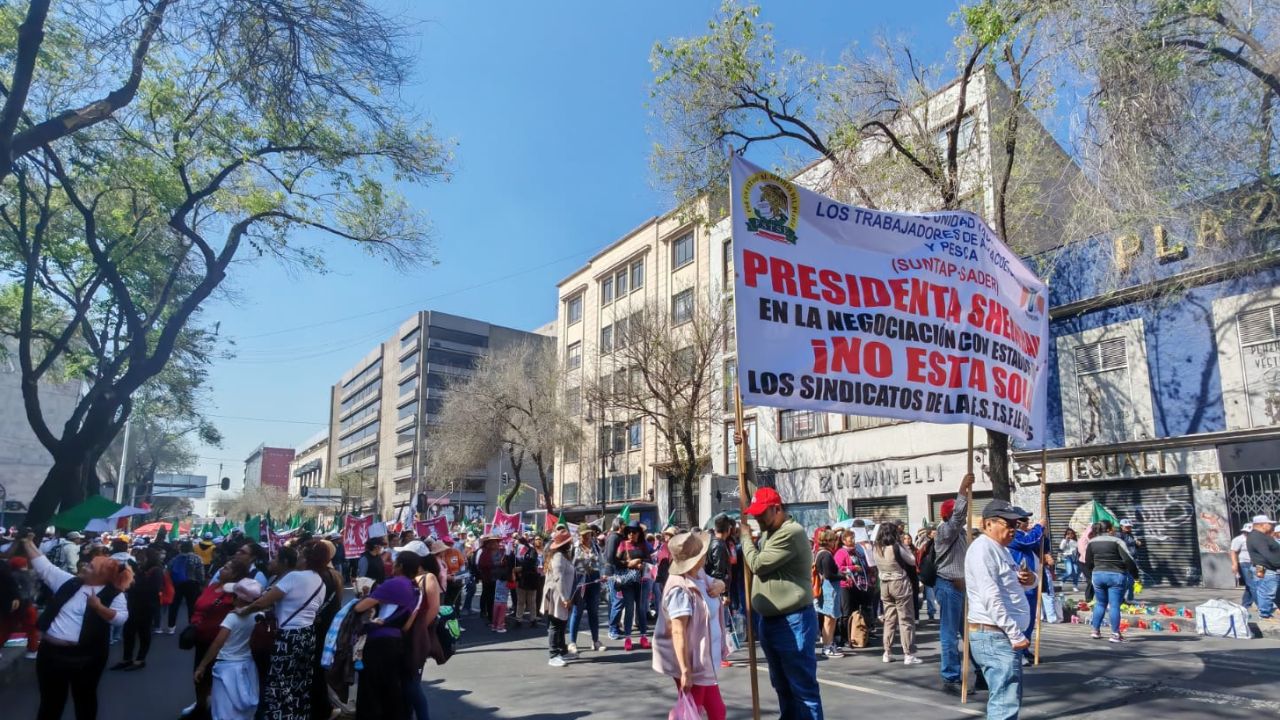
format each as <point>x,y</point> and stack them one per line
<point>1100,513</point>
<point>671,520</point>
<point>173,532</point>
<point>309,525</point>
<point>625,515</point>
<point>252,529</point>
<point>841,515</point>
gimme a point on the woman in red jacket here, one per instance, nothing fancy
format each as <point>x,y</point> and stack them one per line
<point>211,608</point>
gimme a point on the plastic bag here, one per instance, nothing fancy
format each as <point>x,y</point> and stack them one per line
<point>686,709</point>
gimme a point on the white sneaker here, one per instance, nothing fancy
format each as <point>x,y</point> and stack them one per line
<point>911,660</point>
<point>556,661</point>
<point>171,631</point>
<point>598,646</point>
<point>887,658</point>
<point>187,710</point>
<point>573,648</point>
<point>30,655</point>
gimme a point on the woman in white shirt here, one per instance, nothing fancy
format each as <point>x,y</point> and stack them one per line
<point>296,594</point>
<point>76,626</point>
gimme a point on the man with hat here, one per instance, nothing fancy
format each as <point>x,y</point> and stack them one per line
<point>782,596</point>
<point>1132,543</point>
<point>1264,553</point>
<point>1242,565</point>
<point>998,609</point>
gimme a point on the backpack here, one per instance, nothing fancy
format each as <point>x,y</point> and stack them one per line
<point>446,631</point>
<point>178,569</point>
<point>815,580</point>
<point>929,565</point>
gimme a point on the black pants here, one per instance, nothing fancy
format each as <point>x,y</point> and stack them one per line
<point>555,637</point>
<point>381,695</point>
<point>487,589</point>
<point>137,632</point>
<point>453,594</point>
<point>185,591</point>
<point>60,670</point>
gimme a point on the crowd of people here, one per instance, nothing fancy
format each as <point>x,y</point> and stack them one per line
<point>278,634</point>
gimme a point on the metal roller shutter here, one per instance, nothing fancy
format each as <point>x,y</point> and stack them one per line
<point>880,509</point>
<point>1163,511</point>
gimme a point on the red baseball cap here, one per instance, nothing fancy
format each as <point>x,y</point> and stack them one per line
<point>765,498</point>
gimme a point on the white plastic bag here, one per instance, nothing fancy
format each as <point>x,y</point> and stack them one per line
<point>686,709</point>
<point>1052,610</point>
<point>1223,618</point>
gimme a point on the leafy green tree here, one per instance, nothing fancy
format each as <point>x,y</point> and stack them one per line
<point>252,128</point>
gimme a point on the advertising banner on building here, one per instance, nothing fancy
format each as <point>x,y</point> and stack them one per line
<point>355,533</point>
<point>911,316</point>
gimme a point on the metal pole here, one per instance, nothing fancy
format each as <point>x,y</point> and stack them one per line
<point>744,452</point>
<point>1040,568</point>
<point>968,523</point>
<point>124,461</point>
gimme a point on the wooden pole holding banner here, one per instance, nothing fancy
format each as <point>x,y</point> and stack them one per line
<point>1040,568</point>
<point>968,523</point>
<point>744,452</point>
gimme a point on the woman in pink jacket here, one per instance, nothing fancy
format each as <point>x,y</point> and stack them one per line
<point>689,641</point>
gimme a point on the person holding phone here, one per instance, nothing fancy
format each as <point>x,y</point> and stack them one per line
<point>999,613</point>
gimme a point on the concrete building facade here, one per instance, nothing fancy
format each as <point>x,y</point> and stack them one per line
<point>268,466</point>
<point>310,466</point>
<point>383,408</point>
<point>24,462</point>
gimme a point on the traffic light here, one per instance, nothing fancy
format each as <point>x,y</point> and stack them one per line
<point>304,490</point>
<point>226,483</point>
<point>420,504</point>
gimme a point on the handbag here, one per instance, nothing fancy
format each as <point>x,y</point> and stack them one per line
<point>266,630</point>
<point>187,638</point>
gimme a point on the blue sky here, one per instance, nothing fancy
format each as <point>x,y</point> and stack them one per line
<point>547,105</point>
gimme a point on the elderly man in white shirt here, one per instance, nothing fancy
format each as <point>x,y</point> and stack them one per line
<point>998,610</point>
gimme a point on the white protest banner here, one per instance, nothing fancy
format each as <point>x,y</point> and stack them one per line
<point>924,316</point>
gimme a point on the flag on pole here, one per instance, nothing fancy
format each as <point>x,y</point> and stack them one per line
<point>173,532</point>
<point>671,520</point>
<point>841,515</point>
<point>552,521</point>
<point>625,515</point>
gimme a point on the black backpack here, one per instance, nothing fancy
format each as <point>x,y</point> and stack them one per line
<point>929,565</point>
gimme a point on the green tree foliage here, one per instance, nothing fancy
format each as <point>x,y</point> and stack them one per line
<point>260,128</point>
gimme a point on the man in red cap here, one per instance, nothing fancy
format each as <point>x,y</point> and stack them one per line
<point>949,549</point>
<point>782,596</point>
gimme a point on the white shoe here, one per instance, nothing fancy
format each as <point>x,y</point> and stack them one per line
<point>598,646</point>
<point>887,658</point>
<point>187,710</point>
<point>911,660</point>
<point>30,655</point>
<point>573,649</point>
<point>556,661</point>
<point>171,631</point>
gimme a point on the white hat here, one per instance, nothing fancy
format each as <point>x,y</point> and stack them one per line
<point>1126,523</point>
<point>417,547</point>
<point>1246,527</point>
<point>1263,520</point>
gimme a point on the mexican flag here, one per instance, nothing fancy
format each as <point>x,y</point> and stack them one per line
<point>1095,514</point>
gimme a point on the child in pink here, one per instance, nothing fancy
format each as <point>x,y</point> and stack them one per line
<point>501,596</point>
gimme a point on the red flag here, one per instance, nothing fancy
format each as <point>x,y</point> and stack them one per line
<point>355,533</point>
<point>504,524</point>
<point>437,527</point>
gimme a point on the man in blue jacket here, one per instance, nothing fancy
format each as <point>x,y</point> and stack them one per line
<point>1025,549</point>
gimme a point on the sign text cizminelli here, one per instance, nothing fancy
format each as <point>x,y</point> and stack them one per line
<point>1129,464</point>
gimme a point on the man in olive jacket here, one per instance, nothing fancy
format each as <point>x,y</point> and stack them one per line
<point>782,595</point>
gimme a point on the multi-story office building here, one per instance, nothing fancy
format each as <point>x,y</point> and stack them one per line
<point>268,466</point>
<point>310,464</point>
<point>662,266</point>
<point>383,408</point>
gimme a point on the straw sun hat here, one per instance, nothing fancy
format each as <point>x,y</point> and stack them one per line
<point>687,549</point>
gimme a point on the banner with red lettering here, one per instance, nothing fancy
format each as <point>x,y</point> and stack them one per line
<point>924,316</point>
<point>437,527</point>
<point>504,524</point>
<point>355,533</point>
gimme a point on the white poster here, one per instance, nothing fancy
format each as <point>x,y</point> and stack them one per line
<point>911,316</point>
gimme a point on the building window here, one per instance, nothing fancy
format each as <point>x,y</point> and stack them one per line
<point>405,436</point>
<point>1259,332</point>
<point>606,291</point>
<point>682,251</point>
<point>606,339</point>
<point>356,436</point>
<point>573,309</point>
<point>727,252</point>
<point>571,453</point>
<point>407,411</point>
<point>569,493</point>
<point>730,381</point>
<point>613,438</point>
<point>682,307</point>
<point>409,340</point>
<point>409,363</point>
<point>620,282</point>
<point>866,422</point>
<point>1102,381</point>
<point>573,401</point>
<point>573,356</point>
<point>797,424</point>
<point>620,334</point>
<point>365,374</point>
<point>363,453</point>
<point>404,461</point>
<point>637,274</point>
<point>408,386</point>
<point>360,415</point>
<point>633,486</point>
<point>635,434</point>
<point>731,448</point>
<point>360,396</point>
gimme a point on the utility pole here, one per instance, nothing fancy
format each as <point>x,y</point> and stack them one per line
<point>124,461</point>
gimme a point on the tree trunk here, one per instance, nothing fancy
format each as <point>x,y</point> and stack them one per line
<point>998,464</point>
<point>63,488</point>
<point>687,502</point>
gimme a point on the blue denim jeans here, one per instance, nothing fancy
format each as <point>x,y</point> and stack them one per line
<point>1070,570</point>
<point>789,644</point>
<point>1108,592</point>
<point>1248,580</point>
<point>1264,593</point>
<point>615,608</point>
<point>586,601</point>
<point>951,628</point>
<point>634,609</point>
<point>415,696</point>
<point>930,602</point>
<point>1002,667</point>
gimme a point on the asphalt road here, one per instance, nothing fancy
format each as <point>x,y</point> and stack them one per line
<point>506,676</point>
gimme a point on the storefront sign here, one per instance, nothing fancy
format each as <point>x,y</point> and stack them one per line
<point>1114,465</point>
<point>879,477</point>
